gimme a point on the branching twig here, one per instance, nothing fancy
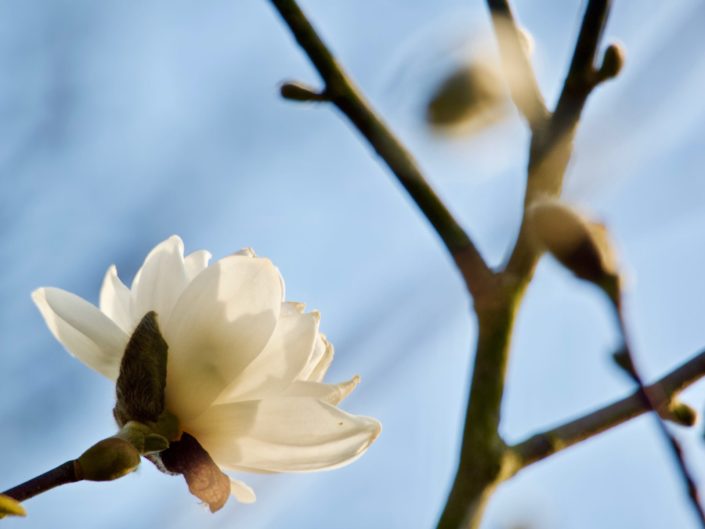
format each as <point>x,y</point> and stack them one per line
<point>552,148</point>
<point>484,460</point>
<point>545,444</point>
<point>342,92</point>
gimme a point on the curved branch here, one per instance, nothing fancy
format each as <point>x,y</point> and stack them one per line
<point>342,92</point>
<point>544,444</point>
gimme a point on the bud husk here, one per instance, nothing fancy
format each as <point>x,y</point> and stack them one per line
<point>140,385</point>
<point>580,245</point>
<point>10,507</point>
<point>107,460</point>
<point>204,478</point>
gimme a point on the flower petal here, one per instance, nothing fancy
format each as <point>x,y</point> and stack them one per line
<point>319,362</point>
<point>280,362</point>
<point>330,393</point>
<point>242,491</point>
<point>82,329</point>
<point>297,434</point>
<point>116,300</point>
<point>221,322</point>
<point>195,263</point>
<point>160,281</point>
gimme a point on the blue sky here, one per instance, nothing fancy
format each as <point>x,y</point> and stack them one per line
<point>125,122</point>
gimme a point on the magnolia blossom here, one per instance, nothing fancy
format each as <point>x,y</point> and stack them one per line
<point>245,368</point>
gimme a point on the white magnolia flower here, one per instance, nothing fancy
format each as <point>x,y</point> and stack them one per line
<point>245,367</point>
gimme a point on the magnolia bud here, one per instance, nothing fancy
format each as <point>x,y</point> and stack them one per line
<point>106,460</point>
<point>10,507</point>
<point>578,244</point>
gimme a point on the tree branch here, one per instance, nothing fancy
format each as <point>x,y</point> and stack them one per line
<point>342,92</point>
<point>545,444</point>
<point>552,147</point>
<point>485,461</point>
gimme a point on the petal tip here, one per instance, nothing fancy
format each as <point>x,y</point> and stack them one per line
<point>39,295</point>
<point>242,492</point>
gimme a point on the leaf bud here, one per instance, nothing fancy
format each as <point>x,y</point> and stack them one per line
<point>107,460</point>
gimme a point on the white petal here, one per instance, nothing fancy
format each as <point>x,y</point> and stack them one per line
<point>116,300</point>
<point>160,281</point>
<point>280,362</point>
<point>283,435</point>
<point>320,361</point>
<point>221,322</point>
<point>82,329</point>
<point>195,263</point>
<point>242,491</point>
<point>330,393</point>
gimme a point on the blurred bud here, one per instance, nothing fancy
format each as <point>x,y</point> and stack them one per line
<point>578,244</point>
<point>682,414</point>
<point>108,459</point>
<point>624,361</point>
<point>505,28</point>
<point>612,62</point>
<point>469,99</point>
<point>10,507</point>
<point>294,91</point>
<point>527,41</point>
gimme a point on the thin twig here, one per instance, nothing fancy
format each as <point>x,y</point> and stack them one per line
<point>342,92</point>
<point>651,400</point>
<point>518,71</point>
<point>61,475</point>
<point>544,444</point>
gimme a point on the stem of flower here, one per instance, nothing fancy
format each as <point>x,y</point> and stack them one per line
<point>61,475</point>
